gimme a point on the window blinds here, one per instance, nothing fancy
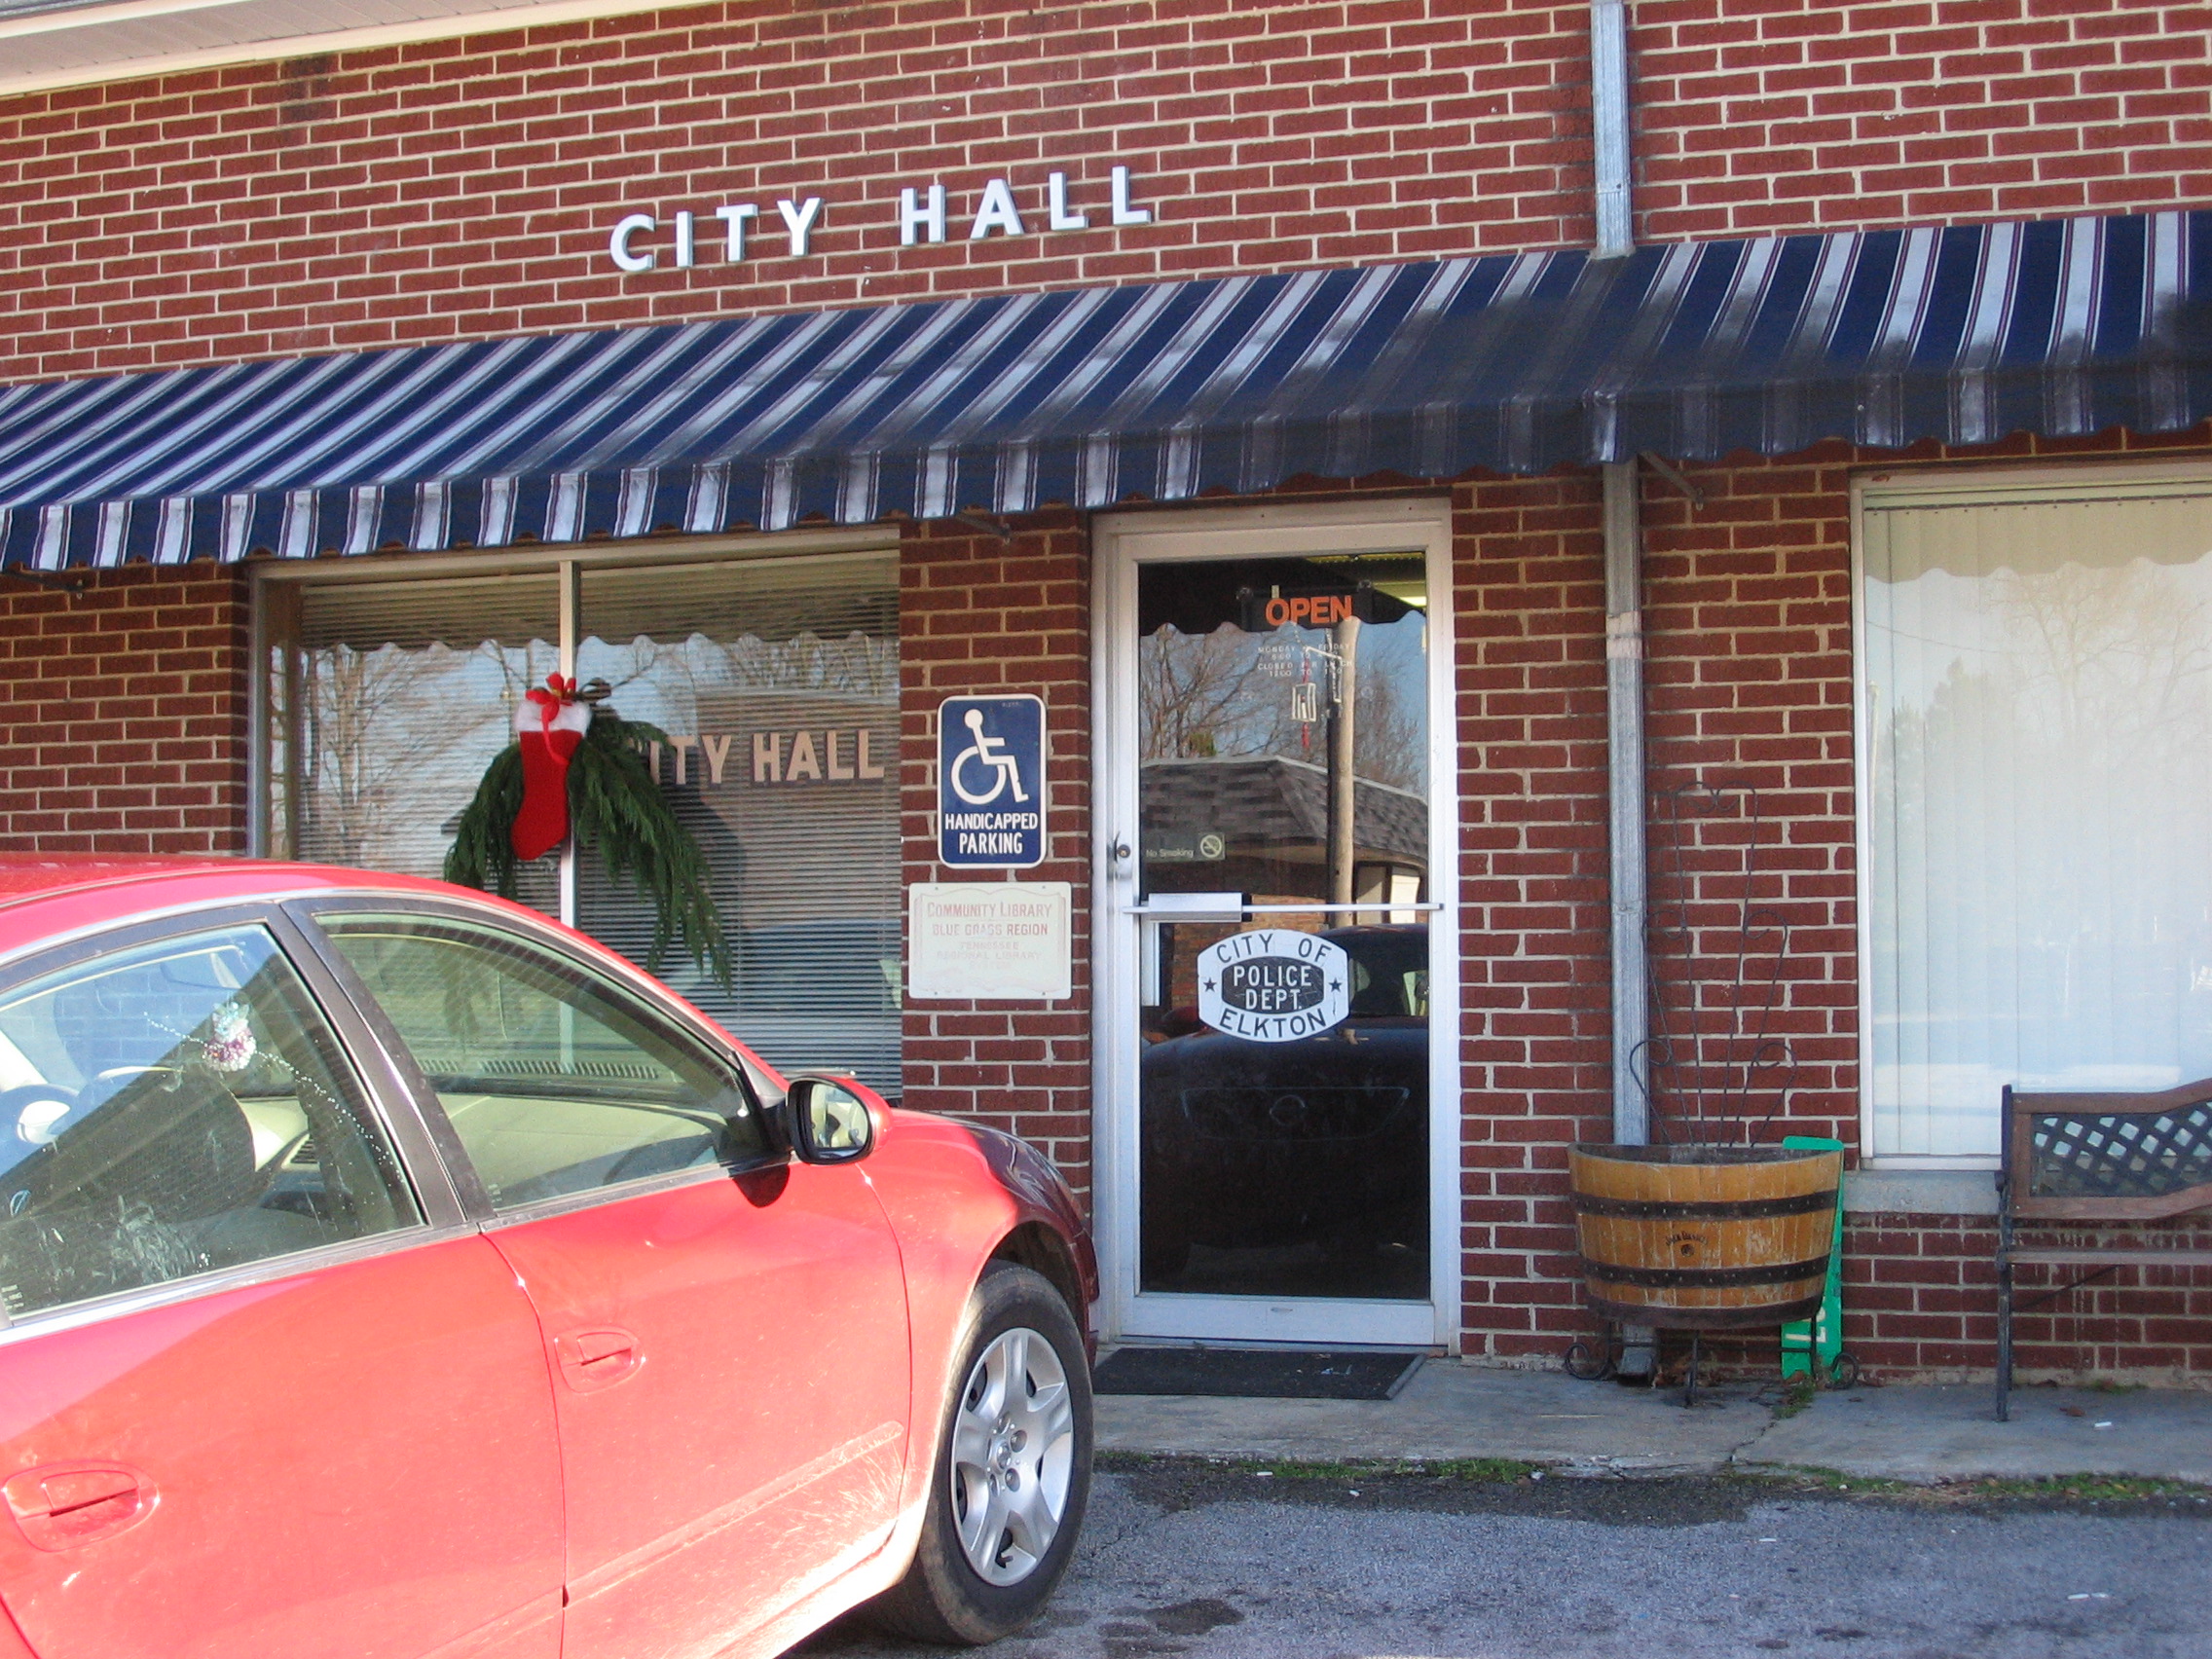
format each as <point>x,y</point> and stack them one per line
<point>2037,688</point>
<point>389,702</point>
<point>778,686</point>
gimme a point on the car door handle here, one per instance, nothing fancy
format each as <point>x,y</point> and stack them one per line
<point>597,1359</point>
<point>62,1505</point>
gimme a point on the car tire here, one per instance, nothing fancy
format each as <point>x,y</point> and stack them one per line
<point>1016,1434</point>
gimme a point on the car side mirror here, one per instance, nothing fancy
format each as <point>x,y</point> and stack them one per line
<point>833,1119</point>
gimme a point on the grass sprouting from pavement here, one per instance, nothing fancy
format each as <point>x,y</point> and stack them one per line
<point>2093,1489</point>
<point>2042,1488</point>
<point>1488,1471</point>
<point>1491,1469</point>
<point>1796,1395</point>
<point>1807,1477</point>
<point>1753,1481</point>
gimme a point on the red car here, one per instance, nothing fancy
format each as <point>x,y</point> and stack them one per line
<point>388,1271</point>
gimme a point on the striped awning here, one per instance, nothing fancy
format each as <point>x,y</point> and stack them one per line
<point>1515,362</point>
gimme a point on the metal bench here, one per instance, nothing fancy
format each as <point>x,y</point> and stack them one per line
<point>2096,1159</point>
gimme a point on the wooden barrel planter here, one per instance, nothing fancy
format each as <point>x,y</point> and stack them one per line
<point>1704,1237</point>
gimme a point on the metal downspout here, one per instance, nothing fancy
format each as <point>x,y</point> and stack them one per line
<point>1624,609</point>
<point>1624,643</point>
<point>1608,123</point>
<point>1624,754</point>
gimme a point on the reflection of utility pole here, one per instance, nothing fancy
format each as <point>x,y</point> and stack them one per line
<point>1340,734</point>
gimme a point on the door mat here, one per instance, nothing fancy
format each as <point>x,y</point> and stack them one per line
<point>1255,1374</point>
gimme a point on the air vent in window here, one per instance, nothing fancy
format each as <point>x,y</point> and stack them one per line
<point>483,1065</point>
<point>305,1156</point>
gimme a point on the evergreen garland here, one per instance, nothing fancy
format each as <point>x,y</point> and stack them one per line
<point>615,806</point>
<point>483,850</point>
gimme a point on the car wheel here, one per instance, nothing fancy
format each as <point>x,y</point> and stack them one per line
<point>1013,1471</point>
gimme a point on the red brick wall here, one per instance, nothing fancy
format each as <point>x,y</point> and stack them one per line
<point>1775,115</point>
<point>1747,613</point>
<point>465,188</point>
<point>977,615</point>
<point>1920,1298</point>
<point>1749,687</point>
<point>1536,1045</point>
<point>123,714</point>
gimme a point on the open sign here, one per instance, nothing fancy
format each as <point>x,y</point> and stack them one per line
<point>1308,609</point>
<point>1262,611</point>
<point>1274,985</point>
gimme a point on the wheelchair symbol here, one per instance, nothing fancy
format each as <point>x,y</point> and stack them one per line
<point>984,751</point>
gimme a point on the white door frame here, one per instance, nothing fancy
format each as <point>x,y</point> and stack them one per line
<point>1119,542</point>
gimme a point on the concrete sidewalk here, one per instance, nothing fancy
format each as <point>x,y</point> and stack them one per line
<point>1908,1433</point>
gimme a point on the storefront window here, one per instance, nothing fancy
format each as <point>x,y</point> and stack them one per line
<point>387,701</point>
<point>777,683</point>
<point>780,695</point>
<point>2037,691</point>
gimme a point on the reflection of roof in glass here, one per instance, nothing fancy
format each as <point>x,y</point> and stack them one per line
<point>1271,799</point>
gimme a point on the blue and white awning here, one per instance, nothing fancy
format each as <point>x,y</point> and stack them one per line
<point>1515,362</point>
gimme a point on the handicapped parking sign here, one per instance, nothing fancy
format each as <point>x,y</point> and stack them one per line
<point>991,782</point>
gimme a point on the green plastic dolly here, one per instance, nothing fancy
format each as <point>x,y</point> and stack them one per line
<point>1822,1337</point>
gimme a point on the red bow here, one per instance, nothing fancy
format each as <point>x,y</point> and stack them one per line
<point>551,698</point>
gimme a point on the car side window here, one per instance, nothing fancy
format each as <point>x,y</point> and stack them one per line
<point>555,1081</point>
<point>1415,981</point>
<point>175,1108</point>
<point>1383,987</point>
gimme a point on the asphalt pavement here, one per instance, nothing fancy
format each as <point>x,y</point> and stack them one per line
<point>1238,1561</point>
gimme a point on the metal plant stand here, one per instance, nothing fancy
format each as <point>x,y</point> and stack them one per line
<point>1672,1248</point>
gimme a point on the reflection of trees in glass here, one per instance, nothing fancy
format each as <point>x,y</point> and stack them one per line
<point>671,675</point>
<point>391,741</point>
<point>1214,695</point>
<point>859,666</point>
<point>1390,717</point>
<point>1228,694</point>
<point>2114,653</point>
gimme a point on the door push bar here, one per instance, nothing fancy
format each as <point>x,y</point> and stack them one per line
<point>1226,907</point>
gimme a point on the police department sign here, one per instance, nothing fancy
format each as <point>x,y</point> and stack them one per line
<point>1274,985</point>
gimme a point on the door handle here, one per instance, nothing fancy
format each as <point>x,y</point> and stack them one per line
<point>62,1505</point>
<point>597,1359</point>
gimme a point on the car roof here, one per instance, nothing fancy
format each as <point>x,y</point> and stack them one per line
<point>45,898</point>
<point>29,877</point>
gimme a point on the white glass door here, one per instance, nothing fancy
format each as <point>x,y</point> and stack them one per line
<point>1278,1129</point>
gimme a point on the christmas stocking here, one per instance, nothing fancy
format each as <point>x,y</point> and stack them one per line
<point>549,725</point>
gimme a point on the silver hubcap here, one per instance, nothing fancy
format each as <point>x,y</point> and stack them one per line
<point>1013,1449</point>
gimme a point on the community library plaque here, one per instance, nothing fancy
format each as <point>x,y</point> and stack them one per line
<point>988,939</point>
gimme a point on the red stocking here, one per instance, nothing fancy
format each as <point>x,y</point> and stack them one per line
<point>549,725</point>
